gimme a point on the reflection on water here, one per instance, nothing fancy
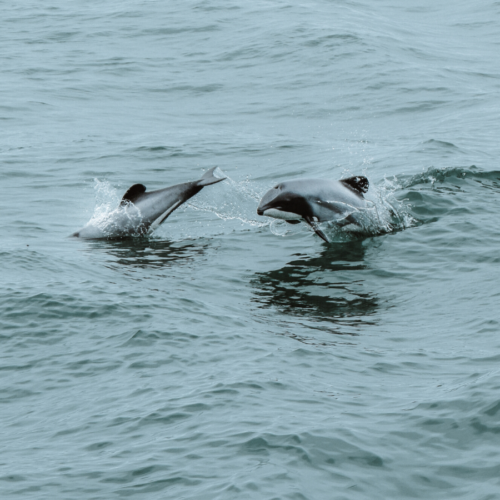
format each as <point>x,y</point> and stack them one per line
<point>329,287</point>
<point>147,253</point>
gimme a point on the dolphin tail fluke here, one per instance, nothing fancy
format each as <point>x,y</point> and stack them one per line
<point>209,178</point>
<point>316,229</point>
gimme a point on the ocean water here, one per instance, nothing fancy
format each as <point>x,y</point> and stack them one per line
<point>230,356</point>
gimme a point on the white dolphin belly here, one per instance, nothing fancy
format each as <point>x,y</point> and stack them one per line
<point>278,214</point>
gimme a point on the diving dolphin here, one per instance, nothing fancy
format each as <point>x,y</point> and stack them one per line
<point>141,213</point>
<point>316,200</point>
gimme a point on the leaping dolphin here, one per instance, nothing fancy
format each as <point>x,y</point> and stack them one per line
<point>141,213</point>
<point>316,200</point>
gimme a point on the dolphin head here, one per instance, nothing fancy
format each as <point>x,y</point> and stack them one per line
<point>282,202</point>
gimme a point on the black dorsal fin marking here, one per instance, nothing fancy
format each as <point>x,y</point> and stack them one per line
<point>359,183</point>
<point>133,192</point>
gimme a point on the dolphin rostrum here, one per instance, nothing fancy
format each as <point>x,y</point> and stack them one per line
<point>140,213</point>
<point>316,200</point>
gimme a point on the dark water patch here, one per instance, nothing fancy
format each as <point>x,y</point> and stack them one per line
<point>119,66</point>
<point>156,418</point>
<point>433,143</point>
<point>148,365</point>
<point>63,36</point>
<point>241,54</point>
<point>12,478</point>
<point>189,89</point>
<point>488,325</point>
<point>153,153</point>
<point>143,338</point>
<point>18,367</point>
<point>428,106</point>
<point>312,450</point>
<point>319,342</point>
<point>144,253</point>
<point>335,40</point>
<point>91,367</point>
<point>102,445</point>
<point>14,394</point>
<point>167,31</point>
<point>159,485</point>
<point>207,6</point>
<point>326,287</point>
<point>267,443</point>
<point>155,149</point>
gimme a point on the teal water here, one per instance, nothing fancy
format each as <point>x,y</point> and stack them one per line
<point>229,356</point>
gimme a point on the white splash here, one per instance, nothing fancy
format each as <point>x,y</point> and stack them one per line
<point>109,215</point>
<point>238,202</point>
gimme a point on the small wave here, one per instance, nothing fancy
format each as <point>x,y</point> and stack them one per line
<point>454,175</point>
<point>438,192</point>
<point>434,143</point>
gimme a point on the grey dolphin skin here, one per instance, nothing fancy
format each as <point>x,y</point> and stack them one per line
<point>316,200</point>
<point>141,213</point>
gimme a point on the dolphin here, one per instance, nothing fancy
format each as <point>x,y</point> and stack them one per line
<point>316,200</point>
<point>140,213</point>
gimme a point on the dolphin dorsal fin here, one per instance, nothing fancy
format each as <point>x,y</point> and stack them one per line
<point>359,183</point>
<point>133,193</point>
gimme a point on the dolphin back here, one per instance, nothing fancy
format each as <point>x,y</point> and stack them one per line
<point>209,178</point>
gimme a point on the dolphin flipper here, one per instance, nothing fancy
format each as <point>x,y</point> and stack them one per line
<point>316,229</point>
<point>209,178</point>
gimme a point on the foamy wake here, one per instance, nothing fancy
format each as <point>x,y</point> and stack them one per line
<point>232,201</point>
<point>107,210</point>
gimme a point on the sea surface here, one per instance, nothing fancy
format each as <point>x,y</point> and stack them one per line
<point>232,356</point>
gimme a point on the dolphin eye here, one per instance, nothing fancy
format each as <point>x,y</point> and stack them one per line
<point>277,187</point>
